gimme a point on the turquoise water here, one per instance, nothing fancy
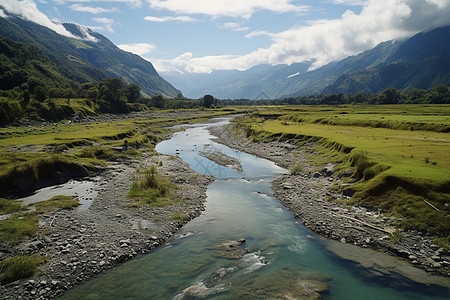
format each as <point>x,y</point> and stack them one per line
<point>279,259</point>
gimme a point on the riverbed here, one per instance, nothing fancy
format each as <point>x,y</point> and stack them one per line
<point>246,245</point>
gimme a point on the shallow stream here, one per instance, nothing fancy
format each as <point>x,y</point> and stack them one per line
<point>280,259</point>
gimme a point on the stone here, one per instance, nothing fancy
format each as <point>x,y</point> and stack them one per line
<point>316,175</point>
<point>436,265</point>
<point>348,192</point>
<point>434,247</point>
<point>436,258</point>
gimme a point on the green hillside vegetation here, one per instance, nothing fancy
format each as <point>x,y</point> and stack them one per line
<point>82,60</point>
<point>398,154</point>
<point>32,86</point>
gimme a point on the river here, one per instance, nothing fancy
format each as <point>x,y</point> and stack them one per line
<point>280,258</point>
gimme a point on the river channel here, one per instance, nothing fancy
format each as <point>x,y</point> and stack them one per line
<point>280,258</point>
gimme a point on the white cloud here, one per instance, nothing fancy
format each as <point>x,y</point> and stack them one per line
<point>92,10</point>
<point>131,3</point>
<point>107,23</point>
<point>232,8</point>
<point>234,26</point>
<point>2,14</point>
<point>258,33</point>
<point>323,41</point>
<point>28,10</point>
<point>137,48</point>
<point>183,19</point>
<point>349,2</point>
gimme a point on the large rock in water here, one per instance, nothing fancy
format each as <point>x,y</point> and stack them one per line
<point>230,249</point>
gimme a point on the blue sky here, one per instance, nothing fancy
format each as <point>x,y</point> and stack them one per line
<point>199,36</point>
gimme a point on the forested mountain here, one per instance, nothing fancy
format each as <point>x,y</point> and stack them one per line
<point>422,61</point>
<point>85,60</point>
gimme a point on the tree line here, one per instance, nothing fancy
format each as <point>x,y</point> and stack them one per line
<point>439,94</point>
<point>111,95</point>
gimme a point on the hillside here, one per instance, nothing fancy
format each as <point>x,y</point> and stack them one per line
<point>21,63</point>
<point>87,60</point>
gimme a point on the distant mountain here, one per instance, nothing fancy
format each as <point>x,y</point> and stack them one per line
<point>422,61</point>
<point>260,82</point>
<point>92,57</point>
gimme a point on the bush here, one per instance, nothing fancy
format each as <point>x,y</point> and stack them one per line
<point>8,206</point>
<point>13,229</point>
<point>10,111</point>
<point>151,188</point>
<point>19,267</point>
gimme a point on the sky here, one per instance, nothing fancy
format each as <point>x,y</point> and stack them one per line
<point>200,36</point>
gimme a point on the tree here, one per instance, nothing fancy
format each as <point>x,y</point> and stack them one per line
<point>390,96</point>
<point>92,93</point>
<point>158,101</point>
<point>207,101</point>
<point>133,92</point>
<point>69,93</point>
<point>111,89</point>
<point>55,93</point>
<point>26,97</point>
<point>40,93</point>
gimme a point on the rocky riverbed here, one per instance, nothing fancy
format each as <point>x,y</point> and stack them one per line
<point>307,194</point>
<point>81,243</point>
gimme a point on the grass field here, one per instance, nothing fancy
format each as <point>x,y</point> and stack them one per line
<point>400,154</point>
<point>33,152</point>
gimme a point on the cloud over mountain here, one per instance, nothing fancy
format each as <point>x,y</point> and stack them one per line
<point>321,41</point>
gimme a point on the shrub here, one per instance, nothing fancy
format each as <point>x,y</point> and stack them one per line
<point>8,206</point>
<point>19,267</point>
<point>13,229</point>
<point>151,188</point>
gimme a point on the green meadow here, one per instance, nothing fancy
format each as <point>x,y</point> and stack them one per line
<point>399,153</point>
<point>32,152</point>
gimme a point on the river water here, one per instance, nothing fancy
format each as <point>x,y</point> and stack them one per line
<point>280,258</point>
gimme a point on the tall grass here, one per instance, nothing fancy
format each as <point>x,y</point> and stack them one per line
<point>19,267</point>
<point>60,201</point>
<point>151,188</point>
<point>8,206</point>
<point>14,228</point>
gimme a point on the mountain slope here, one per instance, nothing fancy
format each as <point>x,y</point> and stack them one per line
<point>421,61</point>
<point>27,64</point>
<point>87,60</point>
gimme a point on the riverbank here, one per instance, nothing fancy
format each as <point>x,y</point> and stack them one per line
<point>307,194</point>
<point>78,244</point>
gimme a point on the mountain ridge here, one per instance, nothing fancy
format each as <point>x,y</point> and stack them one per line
<point>84,60</point>
<point>421,61</point>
